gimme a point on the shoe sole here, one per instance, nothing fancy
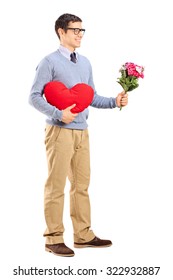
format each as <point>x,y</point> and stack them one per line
<point>61,255</point>
<point>92,246</point>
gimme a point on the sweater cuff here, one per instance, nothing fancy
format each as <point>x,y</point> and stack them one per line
<point>57,114</point>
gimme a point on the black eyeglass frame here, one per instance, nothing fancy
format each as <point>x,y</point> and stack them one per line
<point>77,30</point>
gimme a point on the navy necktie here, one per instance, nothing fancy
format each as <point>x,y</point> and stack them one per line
<point>73,57</point>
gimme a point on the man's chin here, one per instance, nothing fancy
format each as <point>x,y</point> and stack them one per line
<point>78,45</point>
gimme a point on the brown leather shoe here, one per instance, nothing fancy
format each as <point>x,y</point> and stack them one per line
<point>59,249</point>
<point>96,242</point>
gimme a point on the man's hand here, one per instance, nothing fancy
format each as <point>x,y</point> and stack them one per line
<point>67,115</point>
<point>122,99</point>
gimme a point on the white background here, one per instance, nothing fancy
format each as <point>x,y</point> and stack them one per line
<point>131,150</point>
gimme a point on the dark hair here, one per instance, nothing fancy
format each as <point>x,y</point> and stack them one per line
<point>63,21</point>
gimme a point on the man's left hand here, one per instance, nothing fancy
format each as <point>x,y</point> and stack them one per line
<point>122,99</point>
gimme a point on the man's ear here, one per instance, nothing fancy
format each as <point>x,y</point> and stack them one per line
<point>60,31</point>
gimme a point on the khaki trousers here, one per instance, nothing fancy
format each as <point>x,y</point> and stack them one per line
<point>67,155</point>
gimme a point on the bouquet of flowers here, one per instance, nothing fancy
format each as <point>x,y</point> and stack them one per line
<point>130,73</point>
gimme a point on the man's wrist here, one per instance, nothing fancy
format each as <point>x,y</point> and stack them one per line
<point>116,103</point>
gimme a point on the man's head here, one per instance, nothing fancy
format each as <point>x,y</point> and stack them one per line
<point>68,27</point>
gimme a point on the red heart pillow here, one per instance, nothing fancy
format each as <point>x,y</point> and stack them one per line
<point>58,95</point>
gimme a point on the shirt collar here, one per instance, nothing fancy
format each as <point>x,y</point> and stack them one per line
<point>66,52</point>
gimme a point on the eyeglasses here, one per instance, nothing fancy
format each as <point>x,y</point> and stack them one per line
<point>77,30</point>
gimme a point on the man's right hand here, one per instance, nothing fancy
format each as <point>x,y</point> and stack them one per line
<point>67,115</point>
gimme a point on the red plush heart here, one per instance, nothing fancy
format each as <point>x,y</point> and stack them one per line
<point>58,95</point>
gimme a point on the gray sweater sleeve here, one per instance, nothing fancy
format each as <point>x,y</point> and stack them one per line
<point>43,76</point>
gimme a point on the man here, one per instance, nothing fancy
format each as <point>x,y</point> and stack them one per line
<point>66,139</point>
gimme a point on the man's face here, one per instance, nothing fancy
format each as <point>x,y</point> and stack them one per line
<point>71,39</point>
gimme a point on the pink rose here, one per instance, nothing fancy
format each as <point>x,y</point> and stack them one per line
<point>134,70</point>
